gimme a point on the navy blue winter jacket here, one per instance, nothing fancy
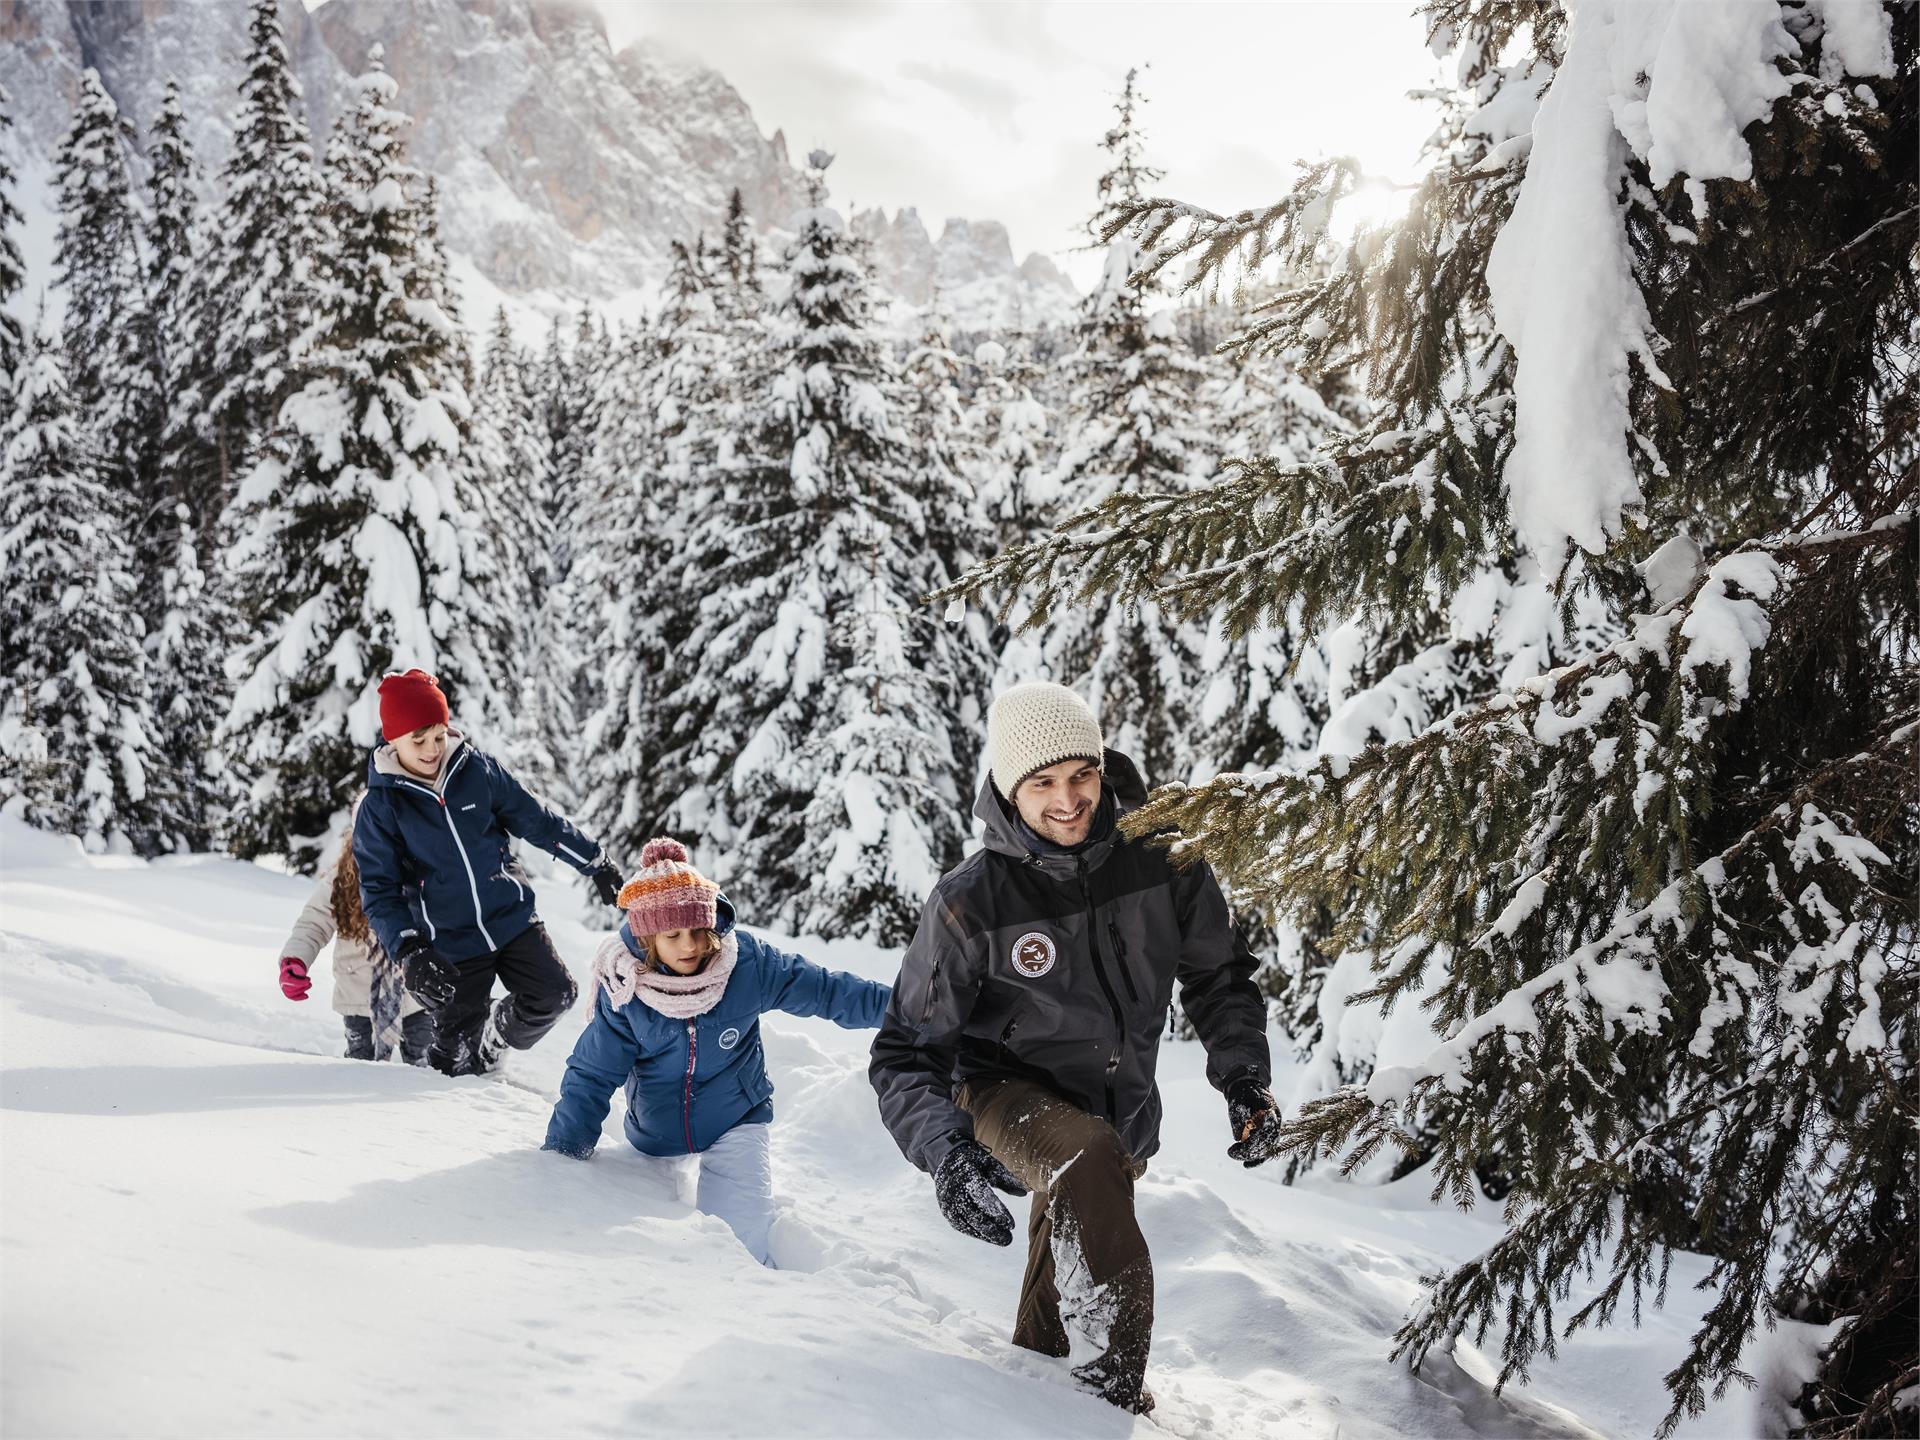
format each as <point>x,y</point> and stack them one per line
<point>434,858</point>
<point>690,1081</point>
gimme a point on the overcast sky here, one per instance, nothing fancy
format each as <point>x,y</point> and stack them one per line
<point>994,110</point>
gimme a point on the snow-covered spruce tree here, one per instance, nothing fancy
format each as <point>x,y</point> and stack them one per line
<point>569,384</point>
<point>356,527</point>
<point>97,262</point>
<point>509,441</point>
<point>1013,465</point>
<point>1130,428</point>
<point>1265,700</point>
<point>945,455</point>
<point>616,540</point>
<point>660,442</point>
<point>13,269</point>
<point>824,769</point>
<point>945,451</point>
<point>259,297</point>
<point>1655,334</point>
<point>190,624</point>
<point>76,750</point>
<point>743,288</point>
<point>489,607</point>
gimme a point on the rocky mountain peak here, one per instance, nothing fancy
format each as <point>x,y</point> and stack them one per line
<point>970,268</point>
<point>563,167</point>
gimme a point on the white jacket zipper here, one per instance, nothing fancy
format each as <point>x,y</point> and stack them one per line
<point>473,886</point>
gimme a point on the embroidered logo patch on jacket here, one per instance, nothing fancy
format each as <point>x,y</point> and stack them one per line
<point>1034,954</point>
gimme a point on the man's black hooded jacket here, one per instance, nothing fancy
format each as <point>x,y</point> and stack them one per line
<point>1059,966</point>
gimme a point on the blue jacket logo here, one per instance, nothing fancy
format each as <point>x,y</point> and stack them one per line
<point>729,1038</point>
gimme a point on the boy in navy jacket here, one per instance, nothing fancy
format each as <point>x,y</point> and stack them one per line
<point>442,891</point>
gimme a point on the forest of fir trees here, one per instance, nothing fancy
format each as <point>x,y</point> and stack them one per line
<point>1581,833</point>
<point>674,573</point>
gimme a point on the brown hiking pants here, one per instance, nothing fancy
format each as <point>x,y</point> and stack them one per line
<point>1083,1241</point>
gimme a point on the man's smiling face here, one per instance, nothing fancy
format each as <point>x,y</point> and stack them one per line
<point>1058,802</point>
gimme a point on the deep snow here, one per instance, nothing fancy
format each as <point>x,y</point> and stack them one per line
<point>208,1224</point>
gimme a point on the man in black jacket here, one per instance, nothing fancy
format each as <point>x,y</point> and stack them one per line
<point>1018,1051</point>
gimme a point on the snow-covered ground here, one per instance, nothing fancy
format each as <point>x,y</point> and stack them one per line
<point>210,1225</point>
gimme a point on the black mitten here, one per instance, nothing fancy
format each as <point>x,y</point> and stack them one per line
<point>429,976</point>
<point>1255,1117</point>
<point>964,1186</point>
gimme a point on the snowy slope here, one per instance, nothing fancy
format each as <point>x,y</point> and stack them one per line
<point>209,1225</point>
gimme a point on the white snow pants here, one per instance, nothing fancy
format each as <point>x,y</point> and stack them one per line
<point>736,1185</point>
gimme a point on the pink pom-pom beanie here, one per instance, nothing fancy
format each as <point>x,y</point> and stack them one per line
<point>667,893</point>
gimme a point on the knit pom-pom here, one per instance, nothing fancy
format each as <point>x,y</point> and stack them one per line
<point>661,849</point>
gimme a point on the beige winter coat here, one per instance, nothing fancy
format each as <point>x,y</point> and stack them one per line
<point>352,959</point>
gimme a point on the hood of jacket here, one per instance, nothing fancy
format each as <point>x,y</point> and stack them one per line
<point>384,766</point>
<point>1002,821</point>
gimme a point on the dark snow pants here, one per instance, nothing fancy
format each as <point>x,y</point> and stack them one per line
<point>539,992</point>
<point>1085,1252</point>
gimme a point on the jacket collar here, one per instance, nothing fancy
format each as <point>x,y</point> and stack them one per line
<point>1122,778</point>
<point>384,767</point>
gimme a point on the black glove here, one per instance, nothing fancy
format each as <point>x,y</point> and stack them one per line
<point>606,880</point>
<point>429,977</point>
<point>1255,1117</point>
<point>964,1186</point>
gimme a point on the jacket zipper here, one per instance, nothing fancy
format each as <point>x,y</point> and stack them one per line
<point>1120,959</point>
<point>473,886</point>
<point>933,979</point>
<point>686,1098</point>
<point>1106,986</point>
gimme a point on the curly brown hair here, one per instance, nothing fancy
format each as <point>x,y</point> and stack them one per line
<point>348,918</point>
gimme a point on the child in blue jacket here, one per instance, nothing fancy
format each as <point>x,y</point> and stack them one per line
<point>677,1003</point>
<point>442,891</point>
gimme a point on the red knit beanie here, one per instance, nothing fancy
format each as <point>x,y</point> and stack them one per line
<point>410,702</point>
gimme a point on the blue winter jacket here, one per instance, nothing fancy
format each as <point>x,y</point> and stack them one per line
<point>434,857</point>
<point>690,1081</point>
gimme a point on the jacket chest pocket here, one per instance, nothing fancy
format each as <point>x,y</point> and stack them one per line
<point>1132,976</point>
<point>1022,1012</point>
<point>719,1040</point>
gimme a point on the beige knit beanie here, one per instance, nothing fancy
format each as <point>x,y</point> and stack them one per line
<point>1035,725</point>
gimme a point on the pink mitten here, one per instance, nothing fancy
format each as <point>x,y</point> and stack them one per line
<point>294,983</point>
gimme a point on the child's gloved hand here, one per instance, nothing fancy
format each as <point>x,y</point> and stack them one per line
<point>294,983</point>
<point>1255,1117</point>
<point>964,1186</point>
<point>606,880</point>
<point>429,977</point>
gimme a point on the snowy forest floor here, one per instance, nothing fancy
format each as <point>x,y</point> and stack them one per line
<point>210,1225</point>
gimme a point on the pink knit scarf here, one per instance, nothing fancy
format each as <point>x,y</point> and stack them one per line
<point>680,997</point>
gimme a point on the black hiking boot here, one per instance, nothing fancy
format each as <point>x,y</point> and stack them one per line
<point>359,1037</point>
<point>492,1043</point>
<point>416,1037</point>
<point>1125,1391</point>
